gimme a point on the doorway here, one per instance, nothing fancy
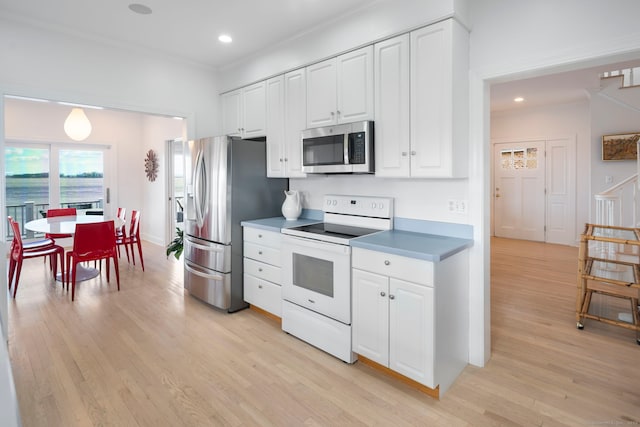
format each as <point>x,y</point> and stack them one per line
<point>534,190</point>
<point>175,188</point>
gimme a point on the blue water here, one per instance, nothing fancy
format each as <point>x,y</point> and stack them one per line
<point>36,190</point>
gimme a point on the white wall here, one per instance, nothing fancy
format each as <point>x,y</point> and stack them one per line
<point>157,131</point>
<point>549,122</point>
<point>49,65</point>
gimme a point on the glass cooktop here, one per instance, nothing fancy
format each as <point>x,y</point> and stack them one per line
<point>334,230</point>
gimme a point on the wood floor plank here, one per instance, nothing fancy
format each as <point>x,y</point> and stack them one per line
<point>151,355</point>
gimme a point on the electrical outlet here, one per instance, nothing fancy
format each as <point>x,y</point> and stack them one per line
<point>462,207</point>
<point>453,205</point>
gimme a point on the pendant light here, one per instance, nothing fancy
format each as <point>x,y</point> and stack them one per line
<point>77,126</point>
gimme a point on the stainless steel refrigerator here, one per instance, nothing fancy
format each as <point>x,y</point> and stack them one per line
<point>226,183</point>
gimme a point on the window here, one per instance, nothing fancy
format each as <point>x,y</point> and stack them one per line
<point>40,176</point>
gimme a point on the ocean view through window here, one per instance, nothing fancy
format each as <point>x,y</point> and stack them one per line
<point>40,177</point>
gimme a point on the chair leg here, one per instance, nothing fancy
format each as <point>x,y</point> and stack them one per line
<point>108,270</point>
<point>73,281</point>
<point>140,252</point>
<point>116,268</point>
<point>18,270</point>
<point>12,270</point>
<point>126,249</point>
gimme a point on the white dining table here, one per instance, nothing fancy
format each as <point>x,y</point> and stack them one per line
<point>67,225</point>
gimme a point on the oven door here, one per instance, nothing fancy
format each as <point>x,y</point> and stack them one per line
<point>317,275</point>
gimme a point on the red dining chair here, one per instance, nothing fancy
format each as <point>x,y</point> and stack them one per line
<point>34,244</point>
<point>19,254</point>
<point>92,242</point>
<point>60,212</point>
<point>132,238</point>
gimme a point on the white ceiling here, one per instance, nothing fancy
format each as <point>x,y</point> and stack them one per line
<point>557,88</point>
<point>187,29</point>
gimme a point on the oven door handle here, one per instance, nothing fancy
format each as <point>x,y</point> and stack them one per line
<point>316,244</point>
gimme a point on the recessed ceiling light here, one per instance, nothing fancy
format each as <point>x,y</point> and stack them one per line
<point>518,99</point>
<point>225,38</point>
<point>140,8</point>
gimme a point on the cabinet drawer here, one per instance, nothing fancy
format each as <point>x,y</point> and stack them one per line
<point>262,253</point>
<point>410,269</point>
<point>263,294</point>
<point>263,237</point>
<point>262,270</point>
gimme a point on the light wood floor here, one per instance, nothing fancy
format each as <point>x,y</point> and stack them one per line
<point>150,355</point>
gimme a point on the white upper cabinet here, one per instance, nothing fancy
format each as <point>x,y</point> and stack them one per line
<point>439,100</point>
<point>391,87</point>
<point>244,111</point>
<point>275,127</point>
<point>286,106</point>
<point>340,90</point>
<point>295,114</point>
<point>254,108</point>
<point>421,102</point>
<point>232,112</point>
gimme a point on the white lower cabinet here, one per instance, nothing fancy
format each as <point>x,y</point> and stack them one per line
<point>401,319</point>
<point>262,274</point>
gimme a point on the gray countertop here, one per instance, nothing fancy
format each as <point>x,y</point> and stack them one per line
<point>429,247</point>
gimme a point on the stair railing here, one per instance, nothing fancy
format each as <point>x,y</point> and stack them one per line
<point>631,76</point>
<point>617,206</point>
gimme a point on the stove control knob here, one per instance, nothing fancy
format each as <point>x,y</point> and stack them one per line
<point>335,202</point>
<point>373,205</point>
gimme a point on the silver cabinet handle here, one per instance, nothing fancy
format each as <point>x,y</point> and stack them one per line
<point>259,286</point>
<point>286,160</point>
<point>386,262</point>
<point>259,236</point>
<point>338,112</point>
<point>382,294</point>
<point>260,270</point>
<point>333,114</point>
<point>392,297</point>
<point>413,153</point>
<point>259,252</point>
<point>404,154</point>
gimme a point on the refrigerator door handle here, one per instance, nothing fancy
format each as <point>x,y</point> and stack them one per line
<point>198,178</point>
<point>202,274</point>
<point>219,249</point>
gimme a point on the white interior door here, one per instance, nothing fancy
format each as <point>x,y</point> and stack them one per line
<point>519,208</point>
<point>561,191</point>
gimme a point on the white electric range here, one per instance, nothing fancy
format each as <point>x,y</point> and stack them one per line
<point>316,267</point>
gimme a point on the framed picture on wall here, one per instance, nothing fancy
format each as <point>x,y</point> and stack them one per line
<point>622,146</point>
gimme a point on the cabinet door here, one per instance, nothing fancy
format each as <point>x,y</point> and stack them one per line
<point>370,321</point>
<point>391,65</point>
<point>321,93</point>
<point>254,108</point>
<point>355,86</point>
<point>295,121</point>
<point>411,331</point>
<point>231,113</point>
<point>431,101</point>
<point>275,127</point>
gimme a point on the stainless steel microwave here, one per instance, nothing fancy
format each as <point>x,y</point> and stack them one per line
<point>346,148</point>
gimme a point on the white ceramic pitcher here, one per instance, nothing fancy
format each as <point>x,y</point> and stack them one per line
<point>291,208</point>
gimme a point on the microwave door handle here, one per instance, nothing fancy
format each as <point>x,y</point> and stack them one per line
<point>346,148</point>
